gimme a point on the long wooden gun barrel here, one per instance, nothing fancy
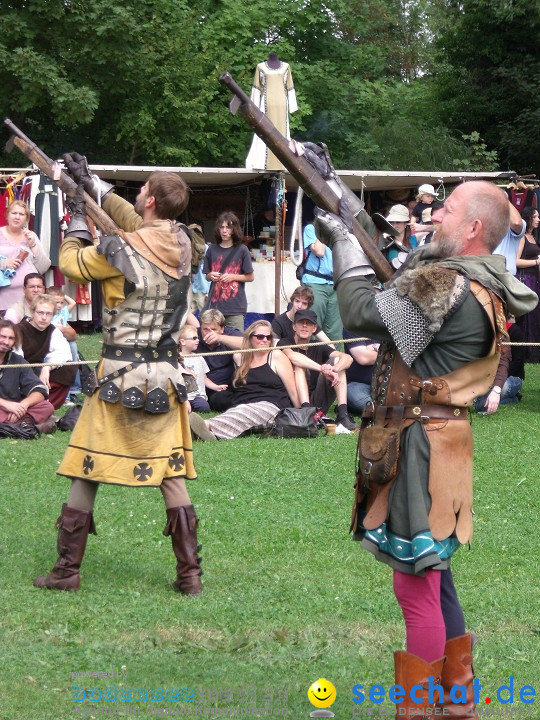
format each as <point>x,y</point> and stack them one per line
<point>305,174</point>
<point>65,182</point>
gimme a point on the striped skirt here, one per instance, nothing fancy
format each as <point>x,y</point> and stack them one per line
<point>242,419</point>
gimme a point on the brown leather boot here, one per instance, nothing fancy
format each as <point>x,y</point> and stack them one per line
<point>412,670</point>
<point>458,670</point>
<point>182,525</point>
<point>48,427</point>
<point>73,528</point>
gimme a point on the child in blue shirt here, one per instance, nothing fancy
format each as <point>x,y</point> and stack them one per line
<point>64,306</point>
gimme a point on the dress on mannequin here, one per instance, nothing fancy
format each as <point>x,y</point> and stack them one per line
<point>273,93</point>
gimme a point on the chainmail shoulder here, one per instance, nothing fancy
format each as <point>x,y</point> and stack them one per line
<point>436,290</point>
<point>405,322</point>
<point>417,303</point>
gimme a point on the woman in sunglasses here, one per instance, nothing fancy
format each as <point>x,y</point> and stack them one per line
<point>263,384</point>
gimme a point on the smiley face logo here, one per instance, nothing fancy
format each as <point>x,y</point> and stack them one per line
<point>322,693</point>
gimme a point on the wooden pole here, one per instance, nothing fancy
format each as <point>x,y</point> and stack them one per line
<point>277,246</point>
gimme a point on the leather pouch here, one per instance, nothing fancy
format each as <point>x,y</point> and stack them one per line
<point>378,454</point>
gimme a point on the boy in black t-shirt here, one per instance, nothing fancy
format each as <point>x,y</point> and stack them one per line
<point>301,299</point>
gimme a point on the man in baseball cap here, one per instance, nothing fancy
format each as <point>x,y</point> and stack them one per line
<point>319,370</point>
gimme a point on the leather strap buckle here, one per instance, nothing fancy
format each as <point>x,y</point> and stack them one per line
<point>429,387</point>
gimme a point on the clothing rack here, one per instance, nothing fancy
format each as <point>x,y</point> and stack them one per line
<point>523,182</point>
<point>8,176</point>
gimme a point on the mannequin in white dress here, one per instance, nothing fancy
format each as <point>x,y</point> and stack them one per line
<point>273,93</point>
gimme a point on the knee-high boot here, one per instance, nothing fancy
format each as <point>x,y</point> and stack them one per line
<point>458,670</point>
<point>182,525</point>
<point>73,529</point>
<point>412,670</point>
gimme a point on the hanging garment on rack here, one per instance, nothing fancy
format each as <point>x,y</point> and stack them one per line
<point>522,198</point>
<point>3,207</point>
<point>273,93</point>
<point>26,189</point>
<point>11,190</point>
<point>59,278</point>
<point>537,193</point>
<point>48,213</point>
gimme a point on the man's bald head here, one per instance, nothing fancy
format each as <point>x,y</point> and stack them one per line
<point>488,204</point>
<point>474,220</point>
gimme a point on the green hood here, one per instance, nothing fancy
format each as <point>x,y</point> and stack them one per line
<point>488,270</point>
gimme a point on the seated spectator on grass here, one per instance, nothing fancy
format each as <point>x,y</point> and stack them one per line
<point>364,354</point>
<point>64,307</point>
<point>215,337</point>
<point>41,342</point>
<point>319,371</point>
<point>33,285</point>
<point>263,384</point>
<point>301,299</point>
<point>62,316</point>
<point>23,397</point>
<point>510,374</point>
<point>197,367</point>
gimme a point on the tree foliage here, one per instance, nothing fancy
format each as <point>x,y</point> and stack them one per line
<point>488,78</point>
<point>137,82</point>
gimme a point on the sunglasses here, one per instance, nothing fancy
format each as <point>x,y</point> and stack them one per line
<point>191,338</point>
<point>261,336</point>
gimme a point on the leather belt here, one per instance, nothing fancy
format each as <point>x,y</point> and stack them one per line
<point>416,412</point>
<point>140,355</point>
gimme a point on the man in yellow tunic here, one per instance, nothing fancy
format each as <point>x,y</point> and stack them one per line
<point>133,429</point>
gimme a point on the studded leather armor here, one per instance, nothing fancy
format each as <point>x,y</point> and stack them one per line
<point>140,352</point>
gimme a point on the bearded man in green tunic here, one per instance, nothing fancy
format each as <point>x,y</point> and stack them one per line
<point>441,322</point>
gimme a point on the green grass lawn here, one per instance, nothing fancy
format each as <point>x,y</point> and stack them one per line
<point>288,596</point>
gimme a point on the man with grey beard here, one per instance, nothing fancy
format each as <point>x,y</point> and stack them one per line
<point>440,321</point>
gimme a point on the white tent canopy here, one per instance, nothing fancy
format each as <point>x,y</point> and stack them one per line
<point>229,177</point>
<point>355,179</point>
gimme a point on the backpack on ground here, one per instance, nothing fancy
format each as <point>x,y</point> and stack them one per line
<point>296,423</point>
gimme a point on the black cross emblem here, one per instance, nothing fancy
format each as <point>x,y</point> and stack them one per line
<point>88,464</point>
<point>143,472</point>
<point>176,461</point>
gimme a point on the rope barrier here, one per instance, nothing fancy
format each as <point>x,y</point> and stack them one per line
<point>75,363</point>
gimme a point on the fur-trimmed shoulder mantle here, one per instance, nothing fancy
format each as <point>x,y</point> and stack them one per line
<point>437,291</point>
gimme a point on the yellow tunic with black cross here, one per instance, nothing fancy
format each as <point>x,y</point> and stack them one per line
<point>134,428</point>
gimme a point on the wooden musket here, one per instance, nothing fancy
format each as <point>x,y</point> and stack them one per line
<point>305,174</point>
<point>64,182</point>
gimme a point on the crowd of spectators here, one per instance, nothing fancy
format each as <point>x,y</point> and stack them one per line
<point>293,360</point>
<point>324,375</point>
